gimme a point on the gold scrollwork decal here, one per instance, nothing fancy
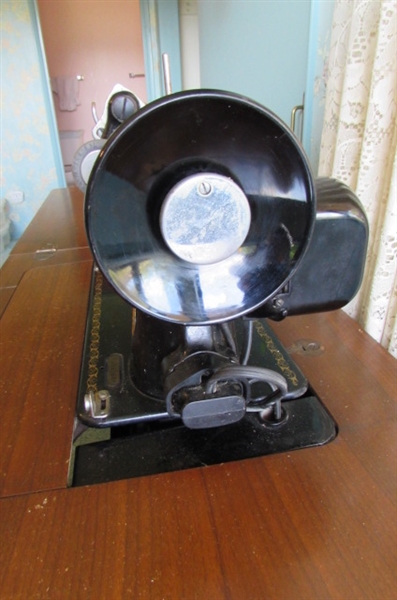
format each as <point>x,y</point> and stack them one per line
<point>279,358</point>
<point>94,335</point>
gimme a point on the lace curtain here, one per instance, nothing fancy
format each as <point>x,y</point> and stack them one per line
<point>359,142</point>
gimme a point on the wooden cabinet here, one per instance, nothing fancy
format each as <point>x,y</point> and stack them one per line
<point>56,236</point>
<point>314,524</point>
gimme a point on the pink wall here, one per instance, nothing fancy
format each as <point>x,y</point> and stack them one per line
<point>99,39</point>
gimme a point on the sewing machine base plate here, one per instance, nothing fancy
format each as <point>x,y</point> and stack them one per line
<point>137,437</point>
<point>151,448</point>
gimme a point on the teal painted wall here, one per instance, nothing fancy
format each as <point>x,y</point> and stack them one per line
<point>29,147</point>
<point>273,52</point>
<point>317,76</point>
<point>256,48</point>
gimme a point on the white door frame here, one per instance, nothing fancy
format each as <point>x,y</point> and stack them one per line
<point>160,34</point>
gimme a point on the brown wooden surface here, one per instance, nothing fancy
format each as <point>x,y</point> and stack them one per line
<point>55,236</point>
<point>40,347</point>
<point>312,524</point>
<point>59,223</point>
<point>5,296</point>
<point>17,264</point>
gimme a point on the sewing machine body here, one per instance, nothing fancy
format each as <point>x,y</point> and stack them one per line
<point>205,221</point>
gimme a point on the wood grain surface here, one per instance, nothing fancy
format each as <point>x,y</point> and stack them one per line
<point>59,222</point>
<point>41,334</point>
<point>314,524</point>
<point>18,264</point>
<point>55,236</point>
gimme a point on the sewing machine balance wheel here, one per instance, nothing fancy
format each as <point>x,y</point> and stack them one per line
<point>200,207</point>
<point>84,160</point>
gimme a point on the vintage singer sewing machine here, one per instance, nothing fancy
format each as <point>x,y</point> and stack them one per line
<point>205,221</point>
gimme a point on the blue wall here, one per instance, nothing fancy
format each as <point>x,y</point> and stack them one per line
<point>30,148</point>
<point>274,51</point>
<point>317,76</point>
<point>258,49</point>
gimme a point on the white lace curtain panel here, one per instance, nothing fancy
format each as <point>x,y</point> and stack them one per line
<point>359,146</point>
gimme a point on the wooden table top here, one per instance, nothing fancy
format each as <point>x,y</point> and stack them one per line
<point>312,524</point>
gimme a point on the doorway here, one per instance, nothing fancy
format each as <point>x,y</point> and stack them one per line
<point>103,43</point>
<point>89,47</point>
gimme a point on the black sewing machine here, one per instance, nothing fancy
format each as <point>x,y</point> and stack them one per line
<point>205,222</point>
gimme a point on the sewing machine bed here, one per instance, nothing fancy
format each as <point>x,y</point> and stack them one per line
<point>134,436</point>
